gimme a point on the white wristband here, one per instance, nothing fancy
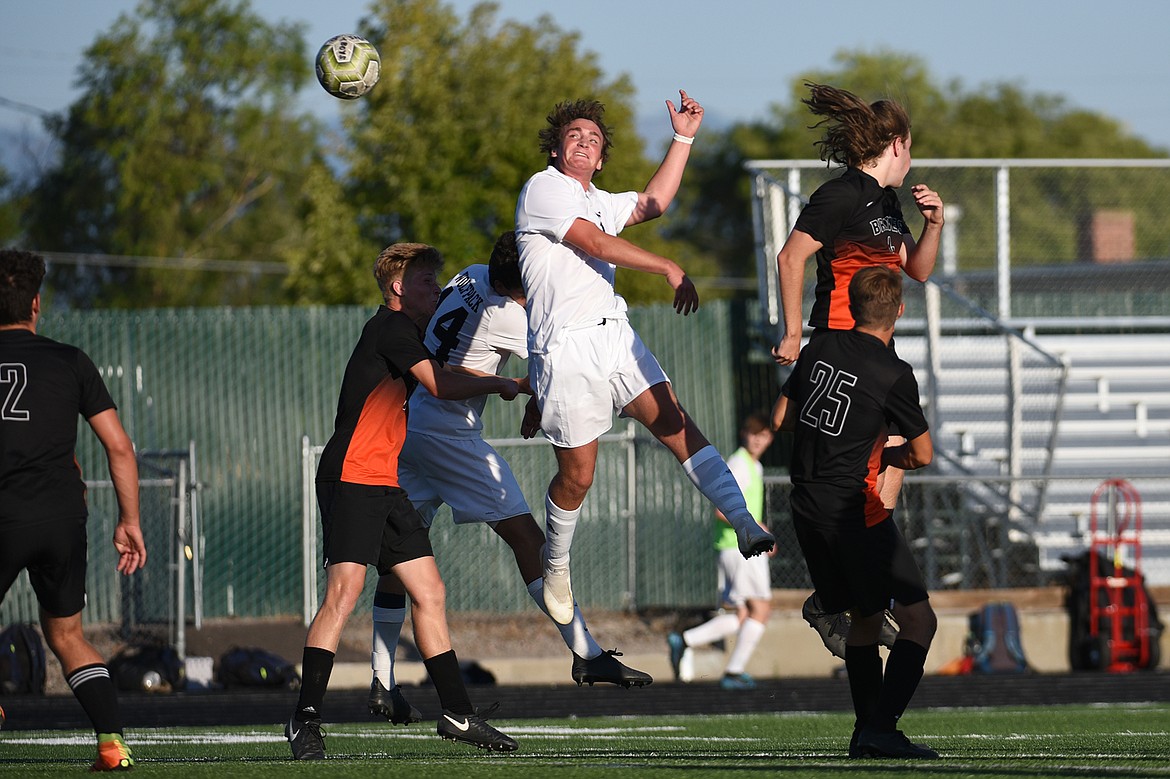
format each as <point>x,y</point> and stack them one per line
<point>684,139</point>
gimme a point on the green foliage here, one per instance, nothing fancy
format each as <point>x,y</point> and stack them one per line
<point>949,121</point>
<point>9,209</point>
<point>440,149</point>
<point>182,144</point>
<point>333,265</point>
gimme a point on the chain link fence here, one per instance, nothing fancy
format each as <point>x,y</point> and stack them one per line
<point>158,600</point>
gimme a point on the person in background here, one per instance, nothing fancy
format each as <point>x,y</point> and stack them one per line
<point>745,586</point>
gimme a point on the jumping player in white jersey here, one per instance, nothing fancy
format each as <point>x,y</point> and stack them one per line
<point>585,360</point>
<point>478,325</point>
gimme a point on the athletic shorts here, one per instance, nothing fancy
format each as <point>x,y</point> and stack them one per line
<point>465,473</point>
<point>54,553</point>
<point>742,580</point>
<point>593,370</point>
<point>371,525</point>
<point>861,569</point>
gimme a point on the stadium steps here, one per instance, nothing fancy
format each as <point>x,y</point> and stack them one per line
<point>1115,420</point>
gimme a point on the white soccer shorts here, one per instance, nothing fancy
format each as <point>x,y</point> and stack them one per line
<point>465,473</point>
<point>742,580</point>
<point>593,371</point>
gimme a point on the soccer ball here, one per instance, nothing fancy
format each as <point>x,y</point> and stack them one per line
<point>348,66</point>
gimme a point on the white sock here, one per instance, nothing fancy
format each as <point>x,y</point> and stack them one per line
<point>707,471</point>
<point>387,629</point>
<point>559,526</point>
<point>749,636</point>
<point>575,634</point>
<point>722,624</point>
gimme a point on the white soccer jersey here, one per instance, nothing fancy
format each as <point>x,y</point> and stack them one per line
<point>473,327</point>
<point>566,287</point>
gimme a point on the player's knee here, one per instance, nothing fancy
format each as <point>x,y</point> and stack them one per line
<point>63,640</point>
<point>917,622</point>
<point>576,482</point>
<point>431,599</point>
<point>759,610</point>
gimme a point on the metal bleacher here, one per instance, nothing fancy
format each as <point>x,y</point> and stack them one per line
<point>1104,414</point>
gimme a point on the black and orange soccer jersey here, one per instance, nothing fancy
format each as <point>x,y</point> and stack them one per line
<point>371,409</point>
<point>44,385</point>
<point>848,388</point>
<point>858,224</point>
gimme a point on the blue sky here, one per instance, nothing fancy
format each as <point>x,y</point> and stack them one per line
<point>735,56</point>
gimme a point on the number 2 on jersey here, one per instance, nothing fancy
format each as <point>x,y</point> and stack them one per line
<point>14,375</point>
<point>828,405</point>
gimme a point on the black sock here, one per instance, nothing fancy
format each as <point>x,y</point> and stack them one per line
<point>389,600</point>
<point>316,666</point>
<point>95,692</point>
<point>903,673</point>
<point>864,666</point>
<point>444,671</point>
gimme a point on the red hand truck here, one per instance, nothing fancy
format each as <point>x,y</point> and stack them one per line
<point>1119,611</point>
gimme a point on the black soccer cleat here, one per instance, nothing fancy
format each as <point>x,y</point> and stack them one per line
<point>875,743</point>
<point>607,668</point>
<point>854,750</point>
<point>306,739</point>
<point>754,540</point>
<point>833,627</point>
<point>473,729</point>
<point>391,704</point>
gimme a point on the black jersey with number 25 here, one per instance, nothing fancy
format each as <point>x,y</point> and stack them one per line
<point>848,387</point>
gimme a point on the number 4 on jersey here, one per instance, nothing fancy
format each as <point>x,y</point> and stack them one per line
<point>446,327</point>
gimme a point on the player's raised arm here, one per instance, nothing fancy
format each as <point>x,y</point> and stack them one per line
<point>663,185</point>
<point>918,257</point>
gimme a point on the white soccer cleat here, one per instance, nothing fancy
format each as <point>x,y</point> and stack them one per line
<point>558,591</point>
<point>686,666</point>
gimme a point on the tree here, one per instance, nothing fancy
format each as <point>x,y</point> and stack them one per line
<point>439,150</point>
<point>334,264</point>
<point>994,121</point>
<point>181,145</point>
<point>9,208</point>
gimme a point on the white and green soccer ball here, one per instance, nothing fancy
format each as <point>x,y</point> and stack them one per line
<point>348,66</point>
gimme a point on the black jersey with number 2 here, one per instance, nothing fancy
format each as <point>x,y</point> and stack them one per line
<point>848,388</point>
<point>44,385</point>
